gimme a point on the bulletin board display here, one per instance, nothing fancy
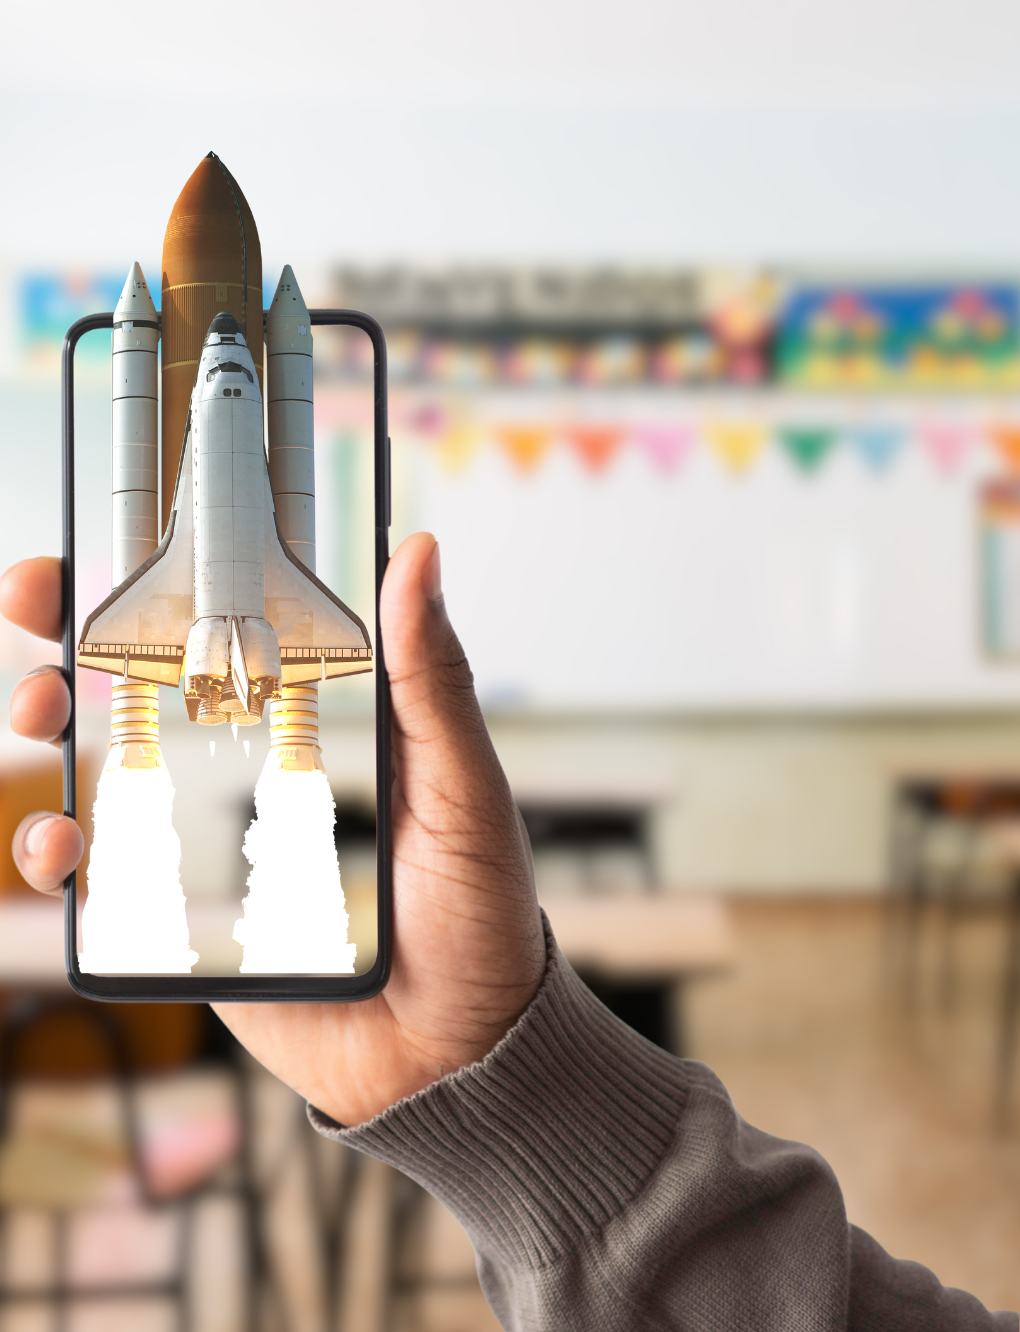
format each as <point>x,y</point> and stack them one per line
<point>712,491</point>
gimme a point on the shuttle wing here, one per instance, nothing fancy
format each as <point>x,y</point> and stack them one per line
<point>141,629</point>
<point>320,638</point>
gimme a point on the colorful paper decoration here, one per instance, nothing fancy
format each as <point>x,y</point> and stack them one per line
<point>807,445</point>
<point>1006,439</point>
<point>666,445</point>
<point>340,409</point>
<point>525,443</point>
<point>736,443</point>
<point>911,335</point>
<point>428,418</point>
<point>457,445</point>
<point>594,444</point>
<point>877,443</point>
<point>946,442</point>
<point>539,361</point>
<point>618,359</point>
<point>693,357</point>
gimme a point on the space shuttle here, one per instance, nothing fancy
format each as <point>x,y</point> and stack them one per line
<point>221,593</point>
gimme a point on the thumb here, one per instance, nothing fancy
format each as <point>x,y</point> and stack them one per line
<point>450,780</point>
<point>430,680</point>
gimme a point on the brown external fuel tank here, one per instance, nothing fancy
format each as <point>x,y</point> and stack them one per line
<point>212,261</point>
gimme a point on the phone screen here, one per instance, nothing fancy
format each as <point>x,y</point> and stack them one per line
<point>227,724</point>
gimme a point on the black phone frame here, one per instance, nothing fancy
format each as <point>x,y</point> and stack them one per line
<point>239,989</point>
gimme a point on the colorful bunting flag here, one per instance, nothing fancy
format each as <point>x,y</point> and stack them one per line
<point>666,445</point>
<point>595,444</point>
<point>1006,438</point>
<point>457,445</point>
<point>736,444</point>
<point>428,418</point>
<point>525,443</point>
<point>340,408</point>
<point>876,443</point>
<point>807,445</point>
<point>946,442</point>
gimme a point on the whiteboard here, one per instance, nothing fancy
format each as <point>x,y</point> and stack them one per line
<point>848,588</point>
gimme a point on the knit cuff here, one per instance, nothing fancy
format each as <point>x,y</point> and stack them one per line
<point>548,1137</point>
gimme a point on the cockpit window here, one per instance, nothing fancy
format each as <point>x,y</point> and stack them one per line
<point>229,367</point>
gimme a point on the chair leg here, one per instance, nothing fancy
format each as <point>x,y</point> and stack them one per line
<point>915,901</point>
<point>333,1206</point>
<point>1010,1013</point>
<point>60,1274</point>
<point>186,1253</point>
<point>950,920</point>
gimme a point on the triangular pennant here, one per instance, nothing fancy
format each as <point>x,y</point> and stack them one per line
<point>666,445</point>
<point>457,444</point>
<point>945,442</point>
<point>1006,439</point>
<point>337,409</point>
<point>877,444</point>
<point>807,445</point>
<point>736,444</point>
<point>426,418</point>
<point>595,444</point>
<point>525,443</point>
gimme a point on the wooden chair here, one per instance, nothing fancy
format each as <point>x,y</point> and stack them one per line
<point>29,1023</point>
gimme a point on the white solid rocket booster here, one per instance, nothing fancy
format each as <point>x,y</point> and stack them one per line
<point>294,717</point>
<point>135,464</point>
<point>290,417</point>
<point>134,918</point>
<point>295,916</point>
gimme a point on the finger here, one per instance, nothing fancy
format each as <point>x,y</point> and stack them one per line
<point>31,596</point>
<point>41,705</point>
<point>430,680</point>
<point>450,777</point>
<point>46,849</point>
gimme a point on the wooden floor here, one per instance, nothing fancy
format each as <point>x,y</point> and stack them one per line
<point>809,1034</point>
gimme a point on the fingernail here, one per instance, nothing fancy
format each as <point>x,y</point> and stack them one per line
<point>35,833</point>
<point>432,578</point>
<point>42,670</point>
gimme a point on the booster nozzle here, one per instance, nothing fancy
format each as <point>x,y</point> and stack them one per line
<point>134,726</point>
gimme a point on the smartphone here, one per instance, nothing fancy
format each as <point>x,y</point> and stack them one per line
<point>228,751</point>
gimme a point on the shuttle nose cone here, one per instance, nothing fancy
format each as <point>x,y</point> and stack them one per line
<point>225,323</point>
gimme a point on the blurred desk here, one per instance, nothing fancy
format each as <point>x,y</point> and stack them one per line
<point>32,940</point>
<point>637,951</point>
<point>643,936</point>
<point>32,943</point>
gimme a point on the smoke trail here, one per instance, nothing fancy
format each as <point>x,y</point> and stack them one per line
<point>134,918</point>
<point>294,918</point>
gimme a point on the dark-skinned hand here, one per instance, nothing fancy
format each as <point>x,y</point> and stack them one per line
<point>468,946</point>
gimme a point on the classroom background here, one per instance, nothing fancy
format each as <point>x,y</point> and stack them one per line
<point>704,351</point>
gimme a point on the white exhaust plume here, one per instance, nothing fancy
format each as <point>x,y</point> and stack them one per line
<point>294,919</point>
<point>134,919</point>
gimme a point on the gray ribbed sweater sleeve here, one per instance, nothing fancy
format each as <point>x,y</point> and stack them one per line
<point>609,1187</point>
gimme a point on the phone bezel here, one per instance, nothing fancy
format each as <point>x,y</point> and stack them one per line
<point>247,989</point>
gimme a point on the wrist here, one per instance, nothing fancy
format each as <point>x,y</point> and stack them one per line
<point>414,1066</point>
